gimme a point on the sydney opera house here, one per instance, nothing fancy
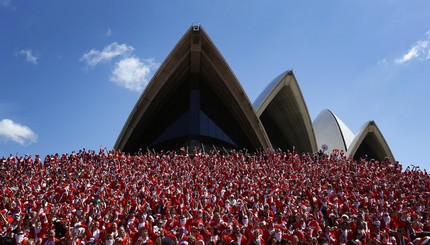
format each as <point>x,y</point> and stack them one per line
<point>194,99</point>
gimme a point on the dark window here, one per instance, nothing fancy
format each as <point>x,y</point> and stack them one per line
<point>193,114</point>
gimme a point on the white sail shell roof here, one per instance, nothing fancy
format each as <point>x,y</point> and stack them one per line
<point>331,132</point>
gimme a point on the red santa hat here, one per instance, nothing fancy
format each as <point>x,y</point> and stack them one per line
<point>227,239</point>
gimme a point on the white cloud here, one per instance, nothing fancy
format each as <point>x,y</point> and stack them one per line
<point>129,72</point>
<point>382,62</point>
<point>421,50</point>
<point>132,73</point>
<point>23,135</point>
<point>94,57</point>
<point>29,56</point>
<point>109,32</point>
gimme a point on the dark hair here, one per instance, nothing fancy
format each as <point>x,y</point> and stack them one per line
<point>220,242</point>
<point>284,241</point>
<point>7,241</point>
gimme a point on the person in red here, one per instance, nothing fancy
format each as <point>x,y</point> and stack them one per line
<point>141,237</point>
<point>237,236</point>
<point>360,237</point>
<point>217,223</point>
<point>266,211</point>
<point>196,233</point>
<point>20,238</point>
<point>269,231</point>
<point>231,220</point>
<point>94,231</point>
<point>256,237</point>
<point>277,220</point>
<point>213,236</point>
<point>377,235</point>
<point>313,229</point>
<point>401,239</point>
<point>51,239</point>
<point>425,220</point>
<point>180,233</point>
<point>327,235</point>
<point>15,223</point>
<point>345,231</point>
<point>109,239</point>
<point>401,221</point>
<point>387,223</point>
<point>74,239</point>
<point>185,221</point>
<point>341,239</point>
<point>123,238</point>
<point>41,229</point>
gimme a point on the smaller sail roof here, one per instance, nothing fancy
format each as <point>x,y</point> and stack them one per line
<point>370,141</point>
<point>285,117</point>
<point>262,97</point>
<point>331,132</point>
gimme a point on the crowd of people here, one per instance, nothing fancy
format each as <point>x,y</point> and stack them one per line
<point>176,198</point>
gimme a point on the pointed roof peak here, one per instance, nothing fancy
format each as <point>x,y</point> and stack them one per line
<point>371,139</point>
<point>283,112</point>
<point>194,64</point>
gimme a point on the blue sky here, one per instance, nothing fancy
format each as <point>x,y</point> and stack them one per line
<point>71,71</point>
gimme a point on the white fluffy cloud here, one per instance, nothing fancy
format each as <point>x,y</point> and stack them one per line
<point>132,73</point>
<point>94,57</point>
<point>29,56</point>
<point>12,131</point>
<point>420,50</point>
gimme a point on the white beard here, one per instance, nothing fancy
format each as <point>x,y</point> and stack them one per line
<point>19,238</point>
<point>278,236</point>
<point>259,239</point>
<point>245,222</point>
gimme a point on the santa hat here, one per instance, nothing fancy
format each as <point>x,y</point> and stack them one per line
<point>199,237</point>
<point>277,226</point>
<point>425,240</point>
<point>313,223</point>
<point>227,239</point>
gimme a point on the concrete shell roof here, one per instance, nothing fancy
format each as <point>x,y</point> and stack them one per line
<point>376,140</point>
<point>194,53</point>
<point>332,132</point>
<point>284,101</point>
<point>262,97</point>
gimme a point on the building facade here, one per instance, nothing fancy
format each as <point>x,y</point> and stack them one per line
<point>195,100</point>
